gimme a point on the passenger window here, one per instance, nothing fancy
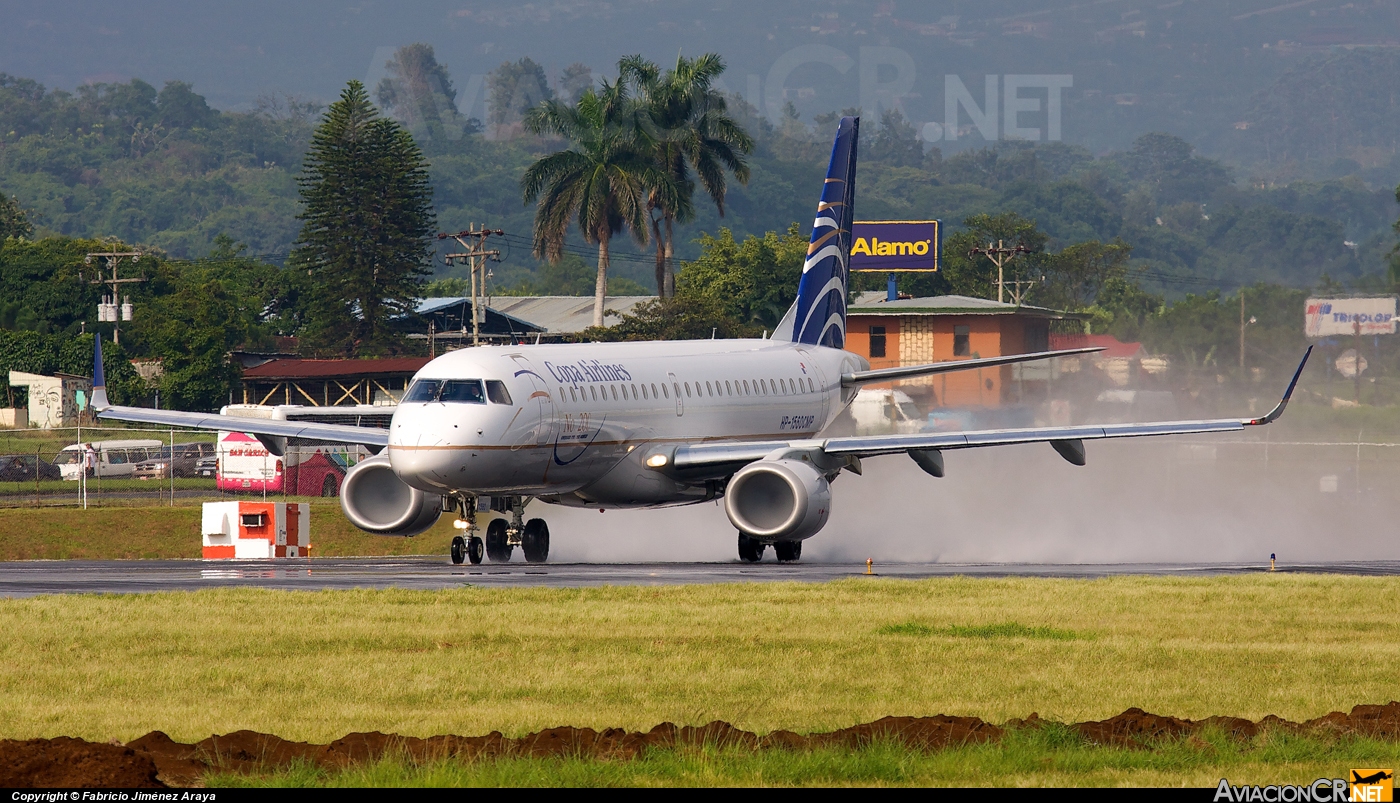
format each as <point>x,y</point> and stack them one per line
<point>496,392</point>
<point>665,392</point>
<point>624,392</point>
<point>634,391</point>
<point>811,386</point>
<point>562,397</point>
<point>687,390</point>
<point>467,391</point>
<point>115,457</point>
<point>614,391</point>
<point>654,394</point>
<point>573,393</point>
<point>746,387</point>
<point>424,390</point>
<point>593,391</point>
<point>644,392</point>
<point>728,388</point>
<point>708,388</point>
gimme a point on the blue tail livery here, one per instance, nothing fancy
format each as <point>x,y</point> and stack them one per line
<point>819,316</point>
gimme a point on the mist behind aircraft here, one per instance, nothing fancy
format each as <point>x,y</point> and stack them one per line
<point>1172,500</point>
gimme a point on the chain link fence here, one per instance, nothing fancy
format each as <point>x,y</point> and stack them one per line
<point>104,466</point>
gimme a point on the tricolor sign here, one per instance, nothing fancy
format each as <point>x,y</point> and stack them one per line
<point>1327,317</point>
<point>896,245</point>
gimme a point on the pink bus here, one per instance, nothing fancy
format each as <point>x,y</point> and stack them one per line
<point>304,469</point>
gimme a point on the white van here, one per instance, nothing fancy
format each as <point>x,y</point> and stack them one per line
<point>110,458</point>
<point>881,411</point>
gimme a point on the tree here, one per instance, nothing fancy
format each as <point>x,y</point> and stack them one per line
<point>752,282</point>
<point>365,226</point>
<point>13,220</point>
<point>179,107</point>
<point>688,129</point>
<point>1075,276</point>
<point>515,89</point>
<point>896,143</point>
<point>601,180</point>
<point>679,318</point>
<point>418,91</point>
<point>575,80</point>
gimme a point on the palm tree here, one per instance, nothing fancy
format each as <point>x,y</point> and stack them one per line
<point>602,180</point>
<point>688,128</point>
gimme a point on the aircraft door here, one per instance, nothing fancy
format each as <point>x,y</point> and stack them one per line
<point>540,402</point>
<point>811,366</point>
<point>676,389</point>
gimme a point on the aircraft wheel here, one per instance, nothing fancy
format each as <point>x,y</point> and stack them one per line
<point>476,550</point>
<point>497,549</point>
<point>534,542</point>
<point>788,551</point>
<point>459,549</point>
<point>750,549</point>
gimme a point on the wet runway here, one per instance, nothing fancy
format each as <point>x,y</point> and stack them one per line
<point>26,578</point>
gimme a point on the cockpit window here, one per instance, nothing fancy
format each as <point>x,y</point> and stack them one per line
<point>424,390</point>
<point>459,391</point>
<point>496,392</point>
<point>462,390</point>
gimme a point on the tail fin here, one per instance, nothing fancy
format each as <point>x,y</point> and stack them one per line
<point>99,377</point>
<point>818,316</point>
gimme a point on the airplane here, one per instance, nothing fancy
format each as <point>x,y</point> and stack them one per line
<point>1373,778</point>
<point>649,424</point>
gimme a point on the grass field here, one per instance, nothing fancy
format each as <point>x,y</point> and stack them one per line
<point>107,533</point>
<point>1049,756</point>
<point>316,665</point>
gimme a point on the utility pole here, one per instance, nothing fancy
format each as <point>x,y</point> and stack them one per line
<point>108,310</point>
<point>999,254</point>
<point>473,243</point>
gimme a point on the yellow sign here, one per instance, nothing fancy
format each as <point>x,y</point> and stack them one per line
<point>876,248</point>
<point>1372,786</point>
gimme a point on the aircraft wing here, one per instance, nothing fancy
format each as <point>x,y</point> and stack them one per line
<point>700,459</point>
<point>265,428</point>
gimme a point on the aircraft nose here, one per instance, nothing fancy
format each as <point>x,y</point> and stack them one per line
<point>418,451</point>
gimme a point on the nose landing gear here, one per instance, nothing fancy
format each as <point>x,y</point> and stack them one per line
<point>468,546</point>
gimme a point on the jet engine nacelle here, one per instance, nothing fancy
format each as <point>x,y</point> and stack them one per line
<point>377,501</point>
<point>778,500</point>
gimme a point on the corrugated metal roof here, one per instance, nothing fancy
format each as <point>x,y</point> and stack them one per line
<point>317,369</point>
<point>554,314</point>
<point>874,303</point>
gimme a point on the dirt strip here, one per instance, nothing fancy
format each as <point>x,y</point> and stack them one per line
<point>156,760</point>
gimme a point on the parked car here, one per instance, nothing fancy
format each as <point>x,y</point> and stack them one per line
<point>21,467</point>
<point>207,466</point>
<point>182,461</point>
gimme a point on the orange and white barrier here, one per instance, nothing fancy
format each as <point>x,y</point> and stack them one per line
<point>251,530</point>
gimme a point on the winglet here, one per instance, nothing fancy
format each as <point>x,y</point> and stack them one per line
<point>1273,415</point>
<point>99,378</point>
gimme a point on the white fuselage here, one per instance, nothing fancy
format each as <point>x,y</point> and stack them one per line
<point>582,418</point>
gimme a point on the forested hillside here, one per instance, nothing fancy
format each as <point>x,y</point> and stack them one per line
<point>162,168</point>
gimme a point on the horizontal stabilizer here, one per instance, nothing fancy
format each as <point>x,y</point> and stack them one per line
<point>903,372</point>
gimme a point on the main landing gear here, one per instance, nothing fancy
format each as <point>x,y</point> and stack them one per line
<point>502,535</point>
<point>751,549</point>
